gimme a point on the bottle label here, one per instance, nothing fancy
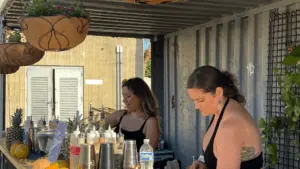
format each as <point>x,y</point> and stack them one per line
<point>146,156</point>
<point>75,150</point>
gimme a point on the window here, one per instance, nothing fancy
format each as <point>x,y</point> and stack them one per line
<point>54,90</point>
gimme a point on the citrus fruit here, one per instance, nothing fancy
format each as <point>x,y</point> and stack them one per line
<point>21,151</point>
<point>41,163</point>
<point>53,166</point>
<point>13,148</point>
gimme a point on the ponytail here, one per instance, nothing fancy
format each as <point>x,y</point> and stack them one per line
<point>231,90</point>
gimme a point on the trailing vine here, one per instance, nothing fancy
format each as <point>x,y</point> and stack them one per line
<point>288,82</point>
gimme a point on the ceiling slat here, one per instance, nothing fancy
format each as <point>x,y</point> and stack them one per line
<point>119,17</point>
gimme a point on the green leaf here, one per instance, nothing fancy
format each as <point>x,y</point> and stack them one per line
<point>272,149</point>
<point>289,111</point>
<point>262,123</point>
<point>296,51</point>
<point>297,110</point>
<point>290,60</point>
<point>298,156</point>
<point>292,125</point>
<point>276,70</point>
<point>265,139</point>
<point>295,119</point>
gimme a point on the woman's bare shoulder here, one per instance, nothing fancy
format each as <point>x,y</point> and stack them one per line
<point>118,114</point>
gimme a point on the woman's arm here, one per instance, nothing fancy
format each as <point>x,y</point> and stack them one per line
<point>228,145</point>
<point>114,118</point>
<point>152,132</point>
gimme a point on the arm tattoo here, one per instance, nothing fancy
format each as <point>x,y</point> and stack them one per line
<point>248,153</point>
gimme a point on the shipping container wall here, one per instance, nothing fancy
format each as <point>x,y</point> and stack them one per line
<point>1,84</point>
<point>1,103</point>
<point>238,44</point>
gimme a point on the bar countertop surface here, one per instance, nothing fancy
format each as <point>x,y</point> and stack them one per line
<point>19,164</point>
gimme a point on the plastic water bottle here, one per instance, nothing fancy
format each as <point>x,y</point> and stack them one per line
<point>146,155</point>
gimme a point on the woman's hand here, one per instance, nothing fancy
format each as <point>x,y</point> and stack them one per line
<point>197,165</point>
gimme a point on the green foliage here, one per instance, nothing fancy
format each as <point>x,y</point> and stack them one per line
<point>148,69</point>
<point>52,8</point>
<point>15,37</point>
<point>288,81</point>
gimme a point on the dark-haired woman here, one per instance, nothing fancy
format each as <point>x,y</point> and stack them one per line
<point>139,120</point>
<point>232,140</point>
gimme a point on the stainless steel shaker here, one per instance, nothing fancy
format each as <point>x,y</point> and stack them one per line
<point>87,157</point>
<point>106,156</point>
<point>130,154</point>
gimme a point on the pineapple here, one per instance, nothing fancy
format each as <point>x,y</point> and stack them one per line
<point>14,133</point>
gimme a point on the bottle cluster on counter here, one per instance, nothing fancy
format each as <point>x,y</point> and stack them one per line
<point>95,138</point>
<point>85,148</point>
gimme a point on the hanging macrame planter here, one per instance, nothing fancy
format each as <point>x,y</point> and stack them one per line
<point>153,2</point>
<point>19,54</point>
<point>54,33</point>
<point>6,69</point>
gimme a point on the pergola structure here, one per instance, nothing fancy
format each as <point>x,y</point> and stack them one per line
<point>119,18</point>
<point>122,18</point>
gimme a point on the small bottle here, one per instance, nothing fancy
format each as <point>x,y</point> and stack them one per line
<point>53,123</point>
<point>74,149</point>
<point>161,144</point>
<point>26,132</point>
<point>91,135</point>
<point>101,135</point>
<point>40,124</point>
<point>146,155</point>
<point>109,135</point>
<point>31,136</point>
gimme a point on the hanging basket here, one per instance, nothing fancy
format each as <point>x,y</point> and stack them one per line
<point>6,69</point>
<point>19,54</point>
<point>54,33</point>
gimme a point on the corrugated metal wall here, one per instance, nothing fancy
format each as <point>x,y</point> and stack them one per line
<point>1,103</point>
<point>232,44</point>
<point>1,84</point>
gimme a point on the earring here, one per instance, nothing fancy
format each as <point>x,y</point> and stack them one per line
<point>219,105</point>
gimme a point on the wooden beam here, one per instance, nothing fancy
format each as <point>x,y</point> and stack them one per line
<point>107,30</point>
<point>141,26</point>
<point>134,29</point>
<point>124,20</point>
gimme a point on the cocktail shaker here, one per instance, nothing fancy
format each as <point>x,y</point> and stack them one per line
<point>87,157</point>
<point>130,154</point>
<point>106,156</point>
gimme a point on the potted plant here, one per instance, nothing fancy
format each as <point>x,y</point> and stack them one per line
<point>289,82</point>
<point>17,52</point>
<point>51,26</point>
<point>7,50</point>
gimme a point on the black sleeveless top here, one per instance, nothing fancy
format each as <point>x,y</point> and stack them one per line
<point>210,158</point>
<point>138,135</point>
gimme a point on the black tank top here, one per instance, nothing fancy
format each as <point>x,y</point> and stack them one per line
<point>138,135</point>
<point>210,158</point>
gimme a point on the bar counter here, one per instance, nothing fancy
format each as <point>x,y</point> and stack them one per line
<point>14,162</point>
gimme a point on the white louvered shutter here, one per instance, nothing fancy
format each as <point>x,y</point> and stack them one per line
<point>39,92</point>
<point>68,92</point>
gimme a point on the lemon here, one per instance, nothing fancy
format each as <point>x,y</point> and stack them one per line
<point>13,148</point>
<point>21,151</point>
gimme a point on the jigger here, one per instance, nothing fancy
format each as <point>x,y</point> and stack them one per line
<point>106,156</point>
<point>87,157</point>
<point>130,154</point>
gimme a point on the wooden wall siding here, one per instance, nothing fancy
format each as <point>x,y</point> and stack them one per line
<point>97,55</point>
